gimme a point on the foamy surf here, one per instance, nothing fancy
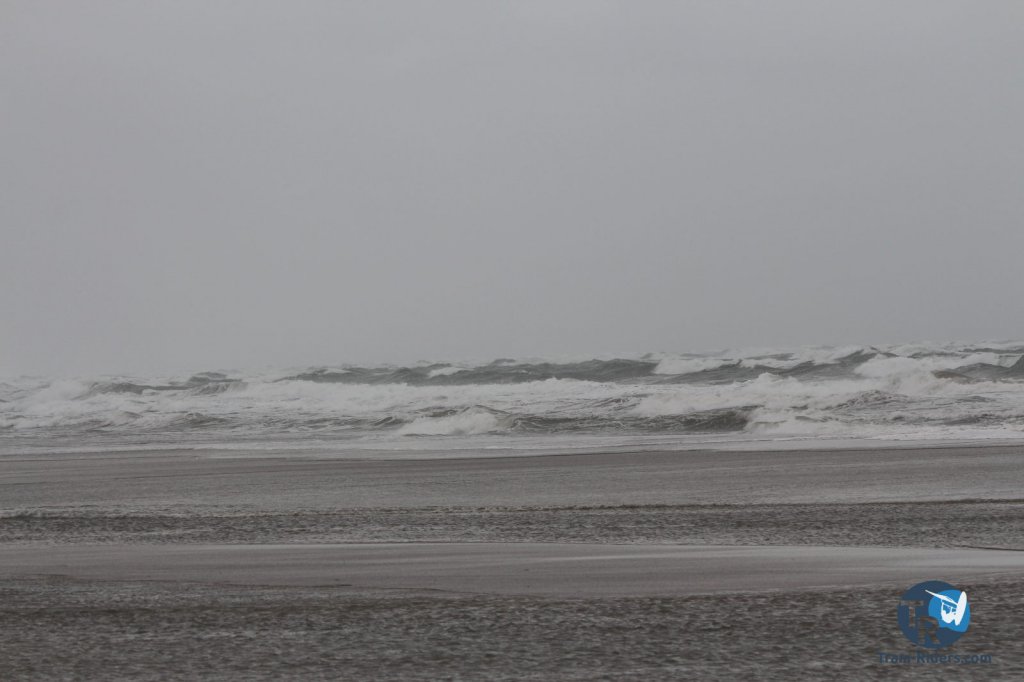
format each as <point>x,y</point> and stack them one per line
<point>895,393</point>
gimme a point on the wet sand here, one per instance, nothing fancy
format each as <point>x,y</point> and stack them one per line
<point>188,478</point>
<point>664,565</point>
<point>539,569</point>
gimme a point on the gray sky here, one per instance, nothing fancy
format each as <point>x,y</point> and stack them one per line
<point>189,185</point>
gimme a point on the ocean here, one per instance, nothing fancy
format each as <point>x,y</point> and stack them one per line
<point>769,397</point>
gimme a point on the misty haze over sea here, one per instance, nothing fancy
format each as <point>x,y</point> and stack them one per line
<point>197,185</point>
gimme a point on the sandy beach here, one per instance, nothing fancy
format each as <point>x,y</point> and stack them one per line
<point>658,565</point>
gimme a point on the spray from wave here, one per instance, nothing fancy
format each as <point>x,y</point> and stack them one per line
<point>924,391</point>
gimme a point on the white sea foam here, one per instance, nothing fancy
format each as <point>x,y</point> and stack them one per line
<point>444,371</point>
<point>467,423</point>
<point>892,392</point>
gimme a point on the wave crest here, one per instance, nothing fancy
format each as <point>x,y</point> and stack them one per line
<point>851,391</point>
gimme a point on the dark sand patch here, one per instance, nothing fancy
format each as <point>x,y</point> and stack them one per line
<point>975,523</point>
<point>61,629</point>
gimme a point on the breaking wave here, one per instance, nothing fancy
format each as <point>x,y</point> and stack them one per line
<point>911,391</point>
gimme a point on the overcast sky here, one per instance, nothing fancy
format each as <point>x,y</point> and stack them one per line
<point>192,185</point>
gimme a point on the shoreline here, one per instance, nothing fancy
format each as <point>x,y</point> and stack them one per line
<point>327,452</point>
<point>186,479</point>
